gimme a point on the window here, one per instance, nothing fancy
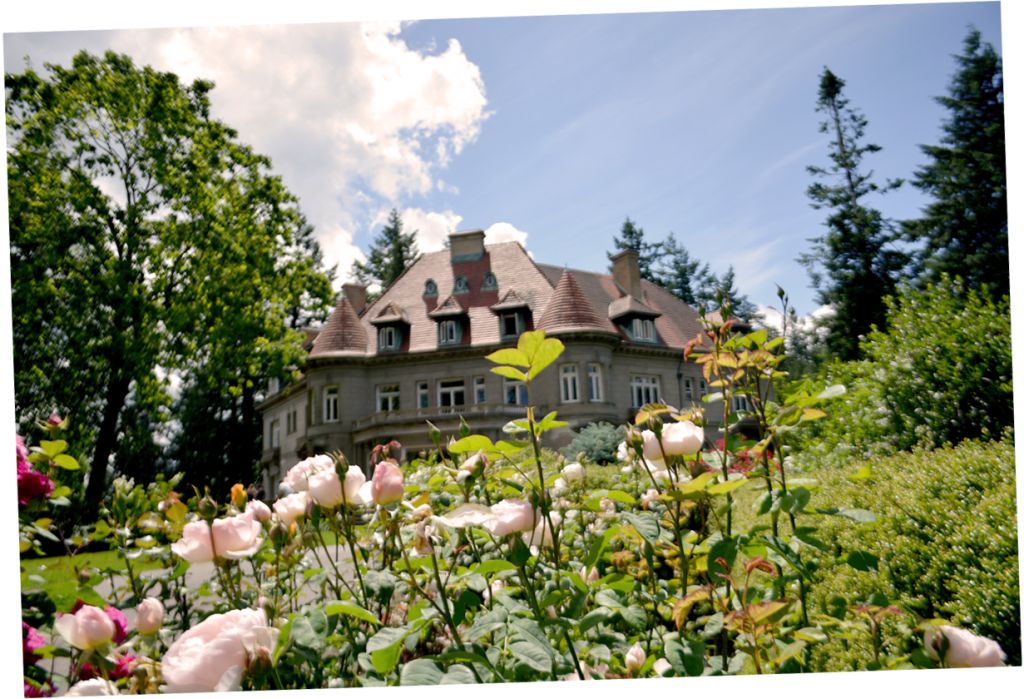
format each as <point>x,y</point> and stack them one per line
<point>703,388</point>
<point>275,434</point>
<point>481,392</point>
<point>274,386</point>
<point>643,330</point>
<point>291,422</point>
<point>569,393</point>
<point>387,398</point>
<point>511,325</point>
<point>644,389</point>
<point>387,338</point>
<point>429,289</point>
<point>689,389</point>
<point>740,404</point>
<point>594,378</point>
<point>331,404</point>
<point>451,392</point>
<point>490,283</point>
<point>515,392</point>
<point>448,332</point>
<point>423,393</point>
<point>461,285</point>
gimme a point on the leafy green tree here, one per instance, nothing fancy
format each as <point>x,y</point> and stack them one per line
<point>143,236</point>
<point>633,239</point>
<point>680,273</point>
<point>391,253</point>
<point>965,229</point>
<point>860,266</point>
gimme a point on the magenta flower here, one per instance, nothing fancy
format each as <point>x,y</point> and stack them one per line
<point>31,641</point>
<point>46,691</point>
<point>115,615</point>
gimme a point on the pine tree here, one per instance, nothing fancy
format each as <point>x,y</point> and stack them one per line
<point>391,253</point>
<point>678,272</point>
<point>860,268</point>
<point>633,239</point>
<point>965,229</point>
<point>742,308</point>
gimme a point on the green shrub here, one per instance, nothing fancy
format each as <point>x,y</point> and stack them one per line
<point>946,542</point>
<point>599,441</point>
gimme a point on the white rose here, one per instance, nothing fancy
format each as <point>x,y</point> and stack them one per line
<point>573,473</point>
<point>677,439</point>
<point>298,475</point>
<point>259,510</point>
<point>97,687</point>
<point>211,656</point>
<point>150,616</point>
<point>542,534</point>
<point>635,658</point>
<point>291,507</point>
<point>965,648</point>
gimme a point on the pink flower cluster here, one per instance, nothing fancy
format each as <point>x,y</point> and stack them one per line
<point>31,483</point>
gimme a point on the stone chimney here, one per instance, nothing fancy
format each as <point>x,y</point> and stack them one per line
<point>626,270</point>
<point>356,295</point>
<point>467,246</point>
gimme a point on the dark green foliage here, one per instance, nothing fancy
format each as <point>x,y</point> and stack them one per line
<point>391,253</point>
<point>965,230</point>
<point>599,441</point>
<point>946,541</point>
<point>633,239</point>
<point>860,267</point>
<point>679,273</point>
<point>942,372</point>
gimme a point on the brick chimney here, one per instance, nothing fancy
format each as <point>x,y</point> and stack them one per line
<point>467,246</point>
<point>626,270</point>
<point>356,295</point>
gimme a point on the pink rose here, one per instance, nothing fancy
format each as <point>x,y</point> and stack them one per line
<point>678,439</point>
<point>661,666</point>
<point>291,507</point>
<point>150,617</point>
<point>259,510</point>
<point>388,485</point>
<point>87,629</point>
<point>232,537</point>
<point>327,488</point>
<point>96,687</point>
<point>542,534</point>
<point>211,656</point>
<point>965,648</point>
<point>510,517</point>
<point>31,641</point>
<point>298,476</point>
<point>635,658</point>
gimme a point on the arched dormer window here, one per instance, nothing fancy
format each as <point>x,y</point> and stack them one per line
<point>429,289</point>
<point>490,282</point>
<point>461,285</point>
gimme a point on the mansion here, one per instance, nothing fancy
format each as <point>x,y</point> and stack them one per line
<point>377,372</point>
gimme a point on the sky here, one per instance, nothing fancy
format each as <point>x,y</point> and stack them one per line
<point>551,130</point>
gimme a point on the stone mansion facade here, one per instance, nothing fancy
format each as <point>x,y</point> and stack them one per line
<point>377,372</point>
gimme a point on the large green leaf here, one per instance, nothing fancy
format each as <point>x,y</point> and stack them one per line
<point>385,659</point>
<point>509,373</point>
<point>547,352</point>
<point>385,637</point>
<point>421,672</point>
<point>472,443</point>
<point>493,566</point>
<point>531,632</point>
<point>646,525</point>
<point>484,624</point>
<point>686,657</point>
<point>601,615</point>
<point>458,674</point>
<point>531,655</point>
<point>350,609</point>
<point>510,356</point>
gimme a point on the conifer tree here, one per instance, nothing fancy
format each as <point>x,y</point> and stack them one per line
<point>853,266</point>
<point>633,239</point>
<point>680,273</point>
<point>965,230</point>
<point>391,253</point>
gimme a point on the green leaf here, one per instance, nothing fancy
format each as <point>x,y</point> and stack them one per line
<point>726,548</point>
<point>510,446</point>
<point>646,525</point>
<point>67,462</point>
<point>61,492</point>
<point>458,674</point>
<point>811,634</point>
<point>858,515</point>
<point>304,634</point>
<point>795,500</point>
<point>64,595</point>
<point>531,655</point>
<point>598,546</point>
<point>831,392</point>
<point>531,632</point>
<point>620,496</point>
<point>510,356</point>
<point>472,443</point>
<point>547,352</point>
<point>529,342</point>
<point>790,651</point>
<point>483,625</point>
<point>713,397</point>
<point>493,566</point>
<point>385,659</point>
<point>608,598</point>
<point>862,561</point>
<point>686,657</point>
<point>351,609</point>
<point>421,672</point>
<point>635,616</point>
<point>509,373</point>
<point>601,615</point>
<point>51,449</point>
<point>863,473</point>
<point>727,487</point>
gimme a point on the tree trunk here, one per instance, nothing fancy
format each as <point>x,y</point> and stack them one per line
<point>117,393</point>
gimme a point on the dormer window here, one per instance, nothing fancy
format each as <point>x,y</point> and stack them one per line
<point>449,332</point>
<point>643,330</point>
<point>461,285</point>
<point>511,324</point>
<point>388,339</point>
<point>429,289</point>
<point>490,282</point>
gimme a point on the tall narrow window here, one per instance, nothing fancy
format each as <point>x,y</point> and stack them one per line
<point>448,332</point>
<point>387,339</point>
<point>275,434</point>
<point>387,398</point>
<point>451,392</point>
<point>643,330</point>
<point>645,390</point>
<point>423,394</point>
<point>594,378</point>
<point>274,385</point>
<point>480,389</point>
<point>511,326</point>
<point>689,389</point>
<point>515,392</point>
<point>740,404</point>
<point>703,388</point>
<point>331,404</point>
<point>569,392</point>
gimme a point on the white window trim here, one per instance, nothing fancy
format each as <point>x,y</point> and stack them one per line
<point>450,389</point>
<point>740,404</point>
<point>479,382</point>
<point>389,394</point>
<point>387,338</point>
<point>595,379</point>
<point>505,386</point>
<point>329,414</point>
<point>568,375</point>
<point>652,384</point>
<point>688,388</point>
<point>275,434</point>
<point>422,390</point>
<point>450,332</point>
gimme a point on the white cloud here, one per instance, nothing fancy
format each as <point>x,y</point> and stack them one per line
<point>433,227</point>
<point>504,233</point>
<point>349,114</point>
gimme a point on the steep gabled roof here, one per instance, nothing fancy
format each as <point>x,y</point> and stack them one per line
<point>450,307</point>
<point>509,301</point>
<point>627,305</point>
<point>343,334</point>
<point>570,310</point>
<point>390,313</point>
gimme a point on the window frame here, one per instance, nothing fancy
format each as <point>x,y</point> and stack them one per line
<point>442,389</point>
<point>568,383</point>
<point>736,404</point>
<point>395,337</point>
<point>479,389</point>
<point>517,385</point>
<point>518,319</point>
<point>443,334</point>
<point>393,397</point>
<point>273,385</point>
<point>688,388</point>
<point>330,404</point>
<point>423,392</point>
<point>275,434</point>
<point>595,378</point>
<point>465,285</point>
<point>641,383</point>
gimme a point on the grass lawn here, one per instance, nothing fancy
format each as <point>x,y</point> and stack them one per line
<point>62,568</point>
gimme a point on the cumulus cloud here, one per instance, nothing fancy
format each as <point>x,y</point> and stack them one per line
<point>352,118</point>
<point>504,233</point>
<point>433,227</point>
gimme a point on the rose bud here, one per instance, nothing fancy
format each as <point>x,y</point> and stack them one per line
<point>635,658</point>
<point>150,617</point>
<point>87,629</point>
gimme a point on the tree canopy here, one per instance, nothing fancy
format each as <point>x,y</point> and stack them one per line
<point>965,229</point>
<point>633,239</point>
<point>391,253</point>
<point>145,238</point>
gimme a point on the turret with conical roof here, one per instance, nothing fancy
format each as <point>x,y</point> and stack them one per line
<point>569,310</point>
<point>342,334</point>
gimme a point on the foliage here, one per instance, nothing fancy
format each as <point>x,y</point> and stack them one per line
<point>681,274</point>
<point>941,373</point>
<point>965,230</point>
<point>598,442</point>
<point>945,544</point>
<point>860,267</point>
<point>633,239</point>
<point>144,236</point>
<point>392,251</point>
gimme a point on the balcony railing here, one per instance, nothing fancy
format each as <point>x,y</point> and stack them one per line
<point>476,410</point>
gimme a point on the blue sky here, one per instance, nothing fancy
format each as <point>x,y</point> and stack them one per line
<point>556,128</point>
